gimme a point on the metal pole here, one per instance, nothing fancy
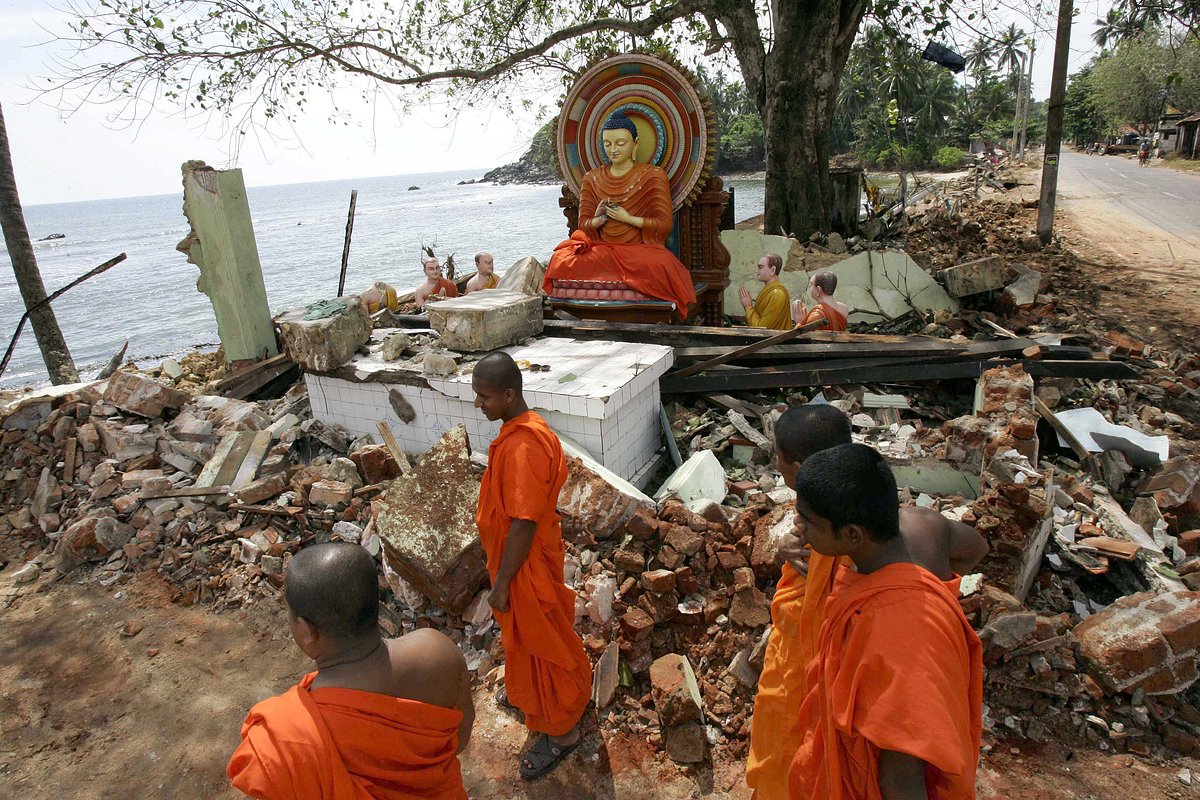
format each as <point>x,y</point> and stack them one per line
<point>1054,123</point>
<point>346,246</point>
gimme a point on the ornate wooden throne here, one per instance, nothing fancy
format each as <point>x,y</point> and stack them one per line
<point>677,133</point>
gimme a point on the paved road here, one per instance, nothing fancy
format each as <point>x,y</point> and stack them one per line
<point>1159,199</point>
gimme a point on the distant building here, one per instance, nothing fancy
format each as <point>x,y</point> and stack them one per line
<point>1186,142</point>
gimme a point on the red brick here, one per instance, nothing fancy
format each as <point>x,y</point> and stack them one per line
<point>660,607</point>
<point>1182,628</point>
<point>330,493</point>
<point>636,624</point>
<point>743,578</point>
<point>629,560</point>
<point>750,608</point>
<point>659,580</point>
<point>686,581</point>
<point>642,526</point>
<point>375,463</point>
<point>730,561</point>
<point>1179,740</point>
<point>684,540</point>
<point>1190,541</point>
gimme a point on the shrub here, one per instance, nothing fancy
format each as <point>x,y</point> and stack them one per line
<point>949,157</point>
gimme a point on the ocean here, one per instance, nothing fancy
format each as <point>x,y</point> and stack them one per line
<point>151,298</point>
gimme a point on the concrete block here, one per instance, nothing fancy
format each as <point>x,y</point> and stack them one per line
<point>974,277</point>
<point>700,477</point>
<point>595,499</point>
<point>525,276</point>
<point>221,243</point>
<point>486,320</point>
<point>426,520</point>
<point>324,344</point>
<point>140,395</point>
<point>675,691</point>
<point>330,493</point>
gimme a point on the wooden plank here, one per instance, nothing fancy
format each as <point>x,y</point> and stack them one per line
<point>245,382</point>
<point>209,473</point>
<point>672,445</point>
<point>186,491</point>
<point>389,441</point>
<point>817,350</point>
<point>68,473</point>
<point>822,375</point>
<point>259,446</point>
<point>745,350</point>
<point>1031,558</point>
<point>1043,410</point>
<point>1094,369</point>
<point>233,462</point>
<point>745,429</point>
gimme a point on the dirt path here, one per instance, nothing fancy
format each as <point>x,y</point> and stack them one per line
<point>88,713</point>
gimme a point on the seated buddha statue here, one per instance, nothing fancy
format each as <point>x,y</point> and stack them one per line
<point>625,215</point>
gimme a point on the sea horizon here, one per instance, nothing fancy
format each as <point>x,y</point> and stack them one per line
<point>151,299</point>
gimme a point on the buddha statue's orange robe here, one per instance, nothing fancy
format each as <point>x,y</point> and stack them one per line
<point>898,668</point>
<point>547,673</point>
<point>625,253</point>
<point>346,744</point>
<point>797,611</point>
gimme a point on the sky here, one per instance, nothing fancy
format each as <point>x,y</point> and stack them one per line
<point>87,156</point>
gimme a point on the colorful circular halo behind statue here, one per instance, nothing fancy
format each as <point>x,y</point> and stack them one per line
<point>626,202</point>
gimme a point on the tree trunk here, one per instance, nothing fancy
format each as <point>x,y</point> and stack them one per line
<point>798,107</point>
<point>20,250</point>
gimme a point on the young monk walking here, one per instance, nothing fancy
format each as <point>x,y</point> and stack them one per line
<point>894,708</point>
<point>547,674</point>
<point>381,719</point>
<point>942,546</point>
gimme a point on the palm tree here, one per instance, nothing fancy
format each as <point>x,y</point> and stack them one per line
<point>1009,53</point>
<point>979,57</point>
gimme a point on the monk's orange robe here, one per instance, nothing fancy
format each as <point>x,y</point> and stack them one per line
<point>546,670</point>
<point>797,611</point>
<point>624,253</point>
<point>445,287</point>
<point>346,744</point>
<point>899,668</point>
<point>837,320</point>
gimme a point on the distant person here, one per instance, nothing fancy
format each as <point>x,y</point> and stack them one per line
<point>770,308</point>
<point>822,285</point>
<point>547,673</point>
<point>485,273</point>
<point>895,700</point>
<point>942,546</point>
<point>380,718</point>
<point>434,283</point>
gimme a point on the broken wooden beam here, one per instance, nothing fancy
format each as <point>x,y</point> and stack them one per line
<point>389,441</point>
<point>746,350</point>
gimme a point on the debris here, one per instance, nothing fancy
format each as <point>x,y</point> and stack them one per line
<point>325,343</point>
<point>426,520</point>
<point>700,477</point>
<point>485,321</point>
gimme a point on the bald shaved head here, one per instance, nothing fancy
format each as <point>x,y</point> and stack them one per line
<point>804,430</point>
<point>334,587</point>
<point>499,371</point>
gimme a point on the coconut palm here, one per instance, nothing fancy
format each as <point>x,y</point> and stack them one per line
<point>1009,52</point>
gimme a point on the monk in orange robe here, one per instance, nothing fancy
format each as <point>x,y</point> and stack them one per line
<point>822,285</point>
<point>942,546</point>
<point>381,719</point>
<point>894,708</point>
<point>625,215</point>
<point>547,674</point>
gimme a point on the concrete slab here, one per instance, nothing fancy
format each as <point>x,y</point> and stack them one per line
<point>426,521</point>
<point>701,477</point>
<point>325,343</point>
<point>486,320</point>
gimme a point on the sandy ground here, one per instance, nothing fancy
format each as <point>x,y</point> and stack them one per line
<point>89,713</point>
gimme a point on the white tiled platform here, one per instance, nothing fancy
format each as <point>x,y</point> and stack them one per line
<point>610,407</point>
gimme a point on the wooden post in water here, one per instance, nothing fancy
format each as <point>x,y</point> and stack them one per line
<point>346,246</point>
<point>49,336</point>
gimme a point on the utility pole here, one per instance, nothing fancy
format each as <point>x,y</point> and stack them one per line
<point>1054,123</point>
<point>20,251</point>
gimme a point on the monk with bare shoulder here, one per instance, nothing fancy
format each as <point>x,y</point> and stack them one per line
<point>485,273</point>
<point>434,283</point>
<point>380,718</point>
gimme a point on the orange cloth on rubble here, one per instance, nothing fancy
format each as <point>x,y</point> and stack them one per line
<point>633,256</point>
<point>446,288</point>
<point>797,611</point>
<point>346,744</point>
<point>837,320</point>
<point>547,673</point>
<point>898,668</point>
